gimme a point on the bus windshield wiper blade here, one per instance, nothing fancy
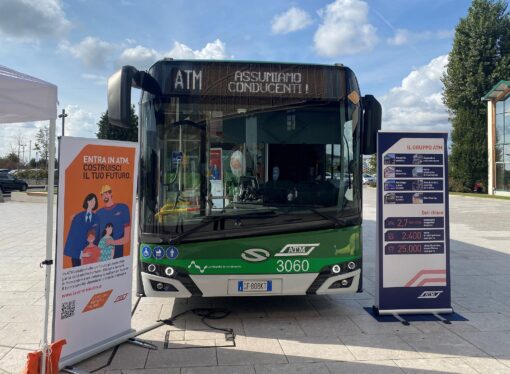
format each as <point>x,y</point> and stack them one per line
<point>336,221</point>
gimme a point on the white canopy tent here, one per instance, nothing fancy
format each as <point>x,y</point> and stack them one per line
<point>22,99</point>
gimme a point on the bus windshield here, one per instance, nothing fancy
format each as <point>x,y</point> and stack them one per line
<point>219,167</point>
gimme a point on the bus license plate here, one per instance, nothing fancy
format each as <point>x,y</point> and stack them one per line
<point>254,286</point>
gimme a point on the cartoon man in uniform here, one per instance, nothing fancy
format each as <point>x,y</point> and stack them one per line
<point>81,224</point>
<point>116,214</point>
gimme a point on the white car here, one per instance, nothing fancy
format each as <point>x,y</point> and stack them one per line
<point>367,178</point>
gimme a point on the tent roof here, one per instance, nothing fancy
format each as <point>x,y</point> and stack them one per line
<point>24,98</point>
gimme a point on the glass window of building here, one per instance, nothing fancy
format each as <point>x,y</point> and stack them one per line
<point>502,146</point>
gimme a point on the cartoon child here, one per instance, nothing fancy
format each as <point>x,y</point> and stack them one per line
<point>91,252</point>
<point>107,251</point>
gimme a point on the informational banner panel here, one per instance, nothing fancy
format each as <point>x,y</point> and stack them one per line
<point>93,272</point>
<point>412,223</point>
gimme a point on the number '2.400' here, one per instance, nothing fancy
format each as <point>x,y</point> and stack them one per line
<point>288,266</point>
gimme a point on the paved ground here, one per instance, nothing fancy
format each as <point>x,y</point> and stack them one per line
<point>296,334</point>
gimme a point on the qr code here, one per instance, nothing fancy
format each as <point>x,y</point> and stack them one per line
<point>68,309</point>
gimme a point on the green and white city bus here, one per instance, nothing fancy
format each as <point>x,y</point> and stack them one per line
<point>250,176</point>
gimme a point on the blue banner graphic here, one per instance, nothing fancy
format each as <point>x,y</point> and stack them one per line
<point>413,262</point>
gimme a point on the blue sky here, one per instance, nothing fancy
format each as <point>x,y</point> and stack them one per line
<point>397,48</point>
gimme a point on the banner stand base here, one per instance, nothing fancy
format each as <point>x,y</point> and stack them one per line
<point>141,343</point>
<point>402,320</point>
<point>396,313</point>
<point>442,319</point>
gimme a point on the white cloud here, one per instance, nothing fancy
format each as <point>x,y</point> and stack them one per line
<point>79,122</point>
<point>345,29</point>
<point>93,52</point>
<point>28,20</point>
<point>140,57</point>
<point>25,132</point>
<point>403,36</point>
<point>216,50</point>
<point>97,79</point>
<point>293,19</point>
<point>417,103</point>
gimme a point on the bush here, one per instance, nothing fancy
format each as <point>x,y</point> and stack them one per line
<point>32,174</point>
<point>455,185</point>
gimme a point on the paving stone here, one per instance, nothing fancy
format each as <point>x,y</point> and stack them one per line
<point>328,307</point>
<point>17,285</point>
<point>4,350</point>
<point>129,356</point>
<point>328,326</point>
<point>441,344</point>
<point>19,298</point>
<point>379,347</point>
<point>219,370</point>
<point>293,306</point>
<point>488,321</point>
<point>486,365</point>
<point>21,332</point>
<point>189,356</point>
<point>144,371</point>
<point>369,325</point>
<point>251,351</point>
<point>14,360</point>
<point>426,366</point>
<point>314,349</point>
<point>494,343</point>
<point>315,368</point>
<point>272,327</point>
<point>481,305</point>
<point>365,367</point>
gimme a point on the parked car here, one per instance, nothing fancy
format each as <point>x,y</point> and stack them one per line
<point>367,178</point>
<point>9,182</point>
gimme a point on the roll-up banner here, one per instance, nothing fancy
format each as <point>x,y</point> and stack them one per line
<point>95,225</point>
<point>413,239</point>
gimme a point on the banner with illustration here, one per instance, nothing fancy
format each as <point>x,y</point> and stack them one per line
<point>95,224</point>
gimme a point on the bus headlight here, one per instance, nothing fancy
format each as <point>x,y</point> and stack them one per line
<point>169,271</point>
<point>151,268</point>
<point>335,269</point>
<point>351,265</point>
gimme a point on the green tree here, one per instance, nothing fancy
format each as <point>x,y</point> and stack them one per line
<point>109,131</point>
<point>479,58</point>
<point>42,141</point>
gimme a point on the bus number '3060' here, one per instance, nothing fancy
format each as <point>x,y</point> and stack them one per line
<point>289,266</point>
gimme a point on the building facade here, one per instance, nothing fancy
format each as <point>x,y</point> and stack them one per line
<point>498,132</point>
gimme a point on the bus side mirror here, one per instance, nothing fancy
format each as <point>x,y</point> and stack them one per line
<point>119,93</point>
<point>119,96</point>
<point>372,118</point>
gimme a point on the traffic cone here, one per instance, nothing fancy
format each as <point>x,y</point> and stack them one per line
<point>33,365</point>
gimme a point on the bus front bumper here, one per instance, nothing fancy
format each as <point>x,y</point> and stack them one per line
<point>229,285</point>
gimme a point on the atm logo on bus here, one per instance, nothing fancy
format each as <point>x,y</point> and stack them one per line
<point>293,250</point>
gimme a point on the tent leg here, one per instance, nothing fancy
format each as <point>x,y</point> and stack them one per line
<point>49,241</point>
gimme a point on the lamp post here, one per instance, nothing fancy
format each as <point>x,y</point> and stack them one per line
<point>63,116</point>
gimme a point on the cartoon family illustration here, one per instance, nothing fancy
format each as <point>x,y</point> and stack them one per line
<point>98,235</point>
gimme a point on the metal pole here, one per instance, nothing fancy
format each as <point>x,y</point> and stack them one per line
<point>49,241</point>
<point>63,116</point>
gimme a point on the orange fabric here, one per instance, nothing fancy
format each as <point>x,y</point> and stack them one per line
<point>33,365</point>
<point>91,255</point>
